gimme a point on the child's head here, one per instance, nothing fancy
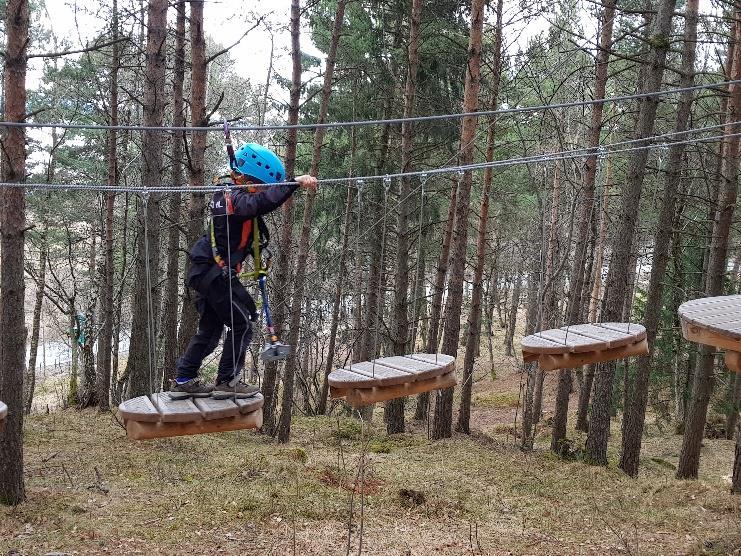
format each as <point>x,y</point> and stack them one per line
<point>255,164</point>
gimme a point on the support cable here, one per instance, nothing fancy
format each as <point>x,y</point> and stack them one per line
<point>612,148</point>
<point>360,123</point>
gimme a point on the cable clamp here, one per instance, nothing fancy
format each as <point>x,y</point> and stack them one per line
<point>460,173</point>
<point>387,182</point>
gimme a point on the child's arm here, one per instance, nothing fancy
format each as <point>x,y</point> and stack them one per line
<point>270,198</point>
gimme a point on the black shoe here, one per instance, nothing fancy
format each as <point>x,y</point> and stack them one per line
<point>235,388</point>
<point>193,388</point>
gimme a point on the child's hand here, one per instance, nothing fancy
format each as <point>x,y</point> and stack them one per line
<point>307,182</point>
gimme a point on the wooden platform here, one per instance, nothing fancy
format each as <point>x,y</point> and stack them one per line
<point>157,416</point>
<point>388,378</point>
<point>3,415</point>
<point>580,344</point>
<point>715,321</point>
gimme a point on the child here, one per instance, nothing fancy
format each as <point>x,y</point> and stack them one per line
<point>215,262</point>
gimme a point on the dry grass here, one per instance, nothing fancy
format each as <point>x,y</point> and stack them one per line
<point>91,491</point>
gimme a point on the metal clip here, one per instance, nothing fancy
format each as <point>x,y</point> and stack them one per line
<point>601,152</point>
<point>460,173</point>
<point>359,184</point>
<point>387,182</point>
<point>423,178</point>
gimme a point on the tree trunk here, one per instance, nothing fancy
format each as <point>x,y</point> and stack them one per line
<point>599,424</point>
<point>30,383</point>
<point>574,312</point>
<point>172,274</point>
<point>284,427</point>
<point>443,420</point>
<point>88,388</point>
<point>141,364</point>
<point>689,457</point>
<point>196,171</point>
<point>438,290</point>
<point>12,226</point>
<point>635,407</point>
<point>283,266</point>
<point>322,405</point>
<point>509,337</point>
<point>105,341</point>
<point>474,316</point>
<point>531,325</point>
<point>394,410</point>
<point>585,391</point>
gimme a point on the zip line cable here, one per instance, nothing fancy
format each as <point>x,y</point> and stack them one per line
<point>362,123</point>
<point>638,145</point>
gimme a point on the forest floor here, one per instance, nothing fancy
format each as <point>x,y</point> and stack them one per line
<point>91,491</point>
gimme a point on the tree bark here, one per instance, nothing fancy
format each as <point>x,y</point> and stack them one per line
<point>172,274</point>
<point>442,422</point>
<point>196,171</point>
<point>30,383</point>
<point>394,410</point>
<point>322,405</point>
<point>509,337</point>
<point>12,226</point>
<point>284,427</point>
<point>105,341</point>
<point>599,424</point>
<point>474,316</point>
<point>141,364</point>
<point>433,338</point>
<point>283,266</point>
<point>635,407</point>
<point>689,457</point>
<point>574,311</point>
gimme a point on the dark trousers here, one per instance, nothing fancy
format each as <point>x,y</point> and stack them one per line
<point>218,309</point>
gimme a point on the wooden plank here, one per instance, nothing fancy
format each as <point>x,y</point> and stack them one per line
<point>3,415</point>
<point>716,309</point>
<point>248,405</point>
<point>637,331</point>
<point>212,408</point>
<point>612,338</point>
<point>340,377</point>
<point>574,341</point>
<point>708,337</point>
<point>359,397</point>
<point>708,304</point>
<point>139,409</point>
<point>715,319</point>
<point>733,361</point>
<point>550,362</point>
<point>142,431</point>
<point>175,411</point>
<point>537,344</point>
<point>381,375</point>
<point>420,369</point>
<point>435,358</point>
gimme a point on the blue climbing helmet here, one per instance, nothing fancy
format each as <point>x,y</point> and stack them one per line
<point>259,163</point>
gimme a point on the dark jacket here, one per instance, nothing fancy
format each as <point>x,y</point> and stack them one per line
<point>244,207</point>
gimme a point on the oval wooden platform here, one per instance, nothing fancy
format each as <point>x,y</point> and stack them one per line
<point>392,377</point>
<point>3,415</point>
<point>715,321</point>
<point>580,344</point>
<point>158,416</point>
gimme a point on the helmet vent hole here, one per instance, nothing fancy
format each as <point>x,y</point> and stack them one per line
<point>259,163</point>
<point>254,156</point>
